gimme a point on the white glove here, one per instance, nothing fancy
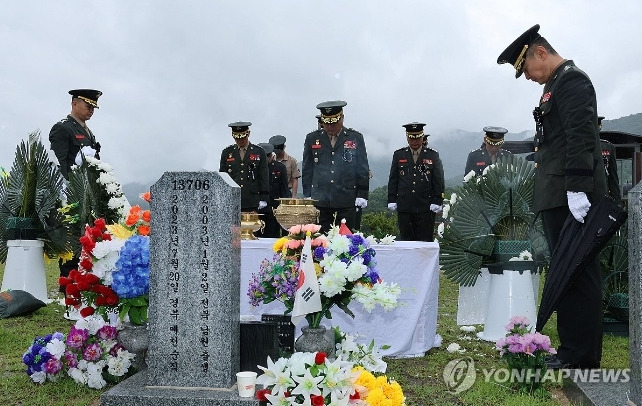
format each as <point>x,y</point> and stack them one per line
<point>86,151</point>
<point>262,204</point>
<point>392,206</point>
<point>435,208</point>
<point>361,202</point>
<point>578,204</point>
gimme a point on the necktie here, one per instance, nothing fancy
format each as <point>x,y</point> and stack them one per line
<point>415,155</point>
<point>333,140</point>
<point>242,153</point>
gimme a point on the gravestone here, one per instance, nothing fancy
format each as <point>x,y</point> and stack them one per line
<point>194,307</point>
<point>635,292</point>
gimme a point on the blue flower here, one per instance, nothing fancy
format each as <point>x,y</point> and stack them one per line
<point>131,278</point>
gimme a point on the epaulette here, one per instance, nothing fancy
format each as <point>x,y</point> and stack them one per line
<point>315,131</point>
<point>353,130</point>
<point>607,141</point>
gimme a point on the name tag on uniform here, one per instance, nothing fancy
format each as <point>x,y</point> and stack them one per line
<point>230,159</point>
<point>316,146</point>
<point>255,157</point>
<point>80,136</point>
<point>403,161</point>
<point>481,163</point>
<point>427,161</point>
<point>606,152</point>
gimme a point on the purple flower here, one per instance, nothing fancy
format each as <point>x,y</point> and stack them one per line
<point>93,352</point>
<point>319,252</point>
<point>52,366</point>
<point>77,337</point>
<point>107,332</point>
<point>113,351</point>
<point>71,359</point>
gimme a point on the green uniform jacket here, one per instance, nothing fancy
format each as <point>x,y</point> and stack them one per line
<point>250,173</point>
<point>67,137</point>
<point>479,159</point>
<point>335,176</point>
<point>415,186</point>
<point>568,156</point>
<point>610,168</point>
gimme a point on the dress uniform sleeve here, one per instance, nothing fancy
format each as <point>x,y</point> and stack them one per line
<point>574,100</point>
<point>59,139</point>
<point>470,164</point>
<point>438,181</point>
<point>221,166</point>
<point>264,177</point>
<point>307,167</point>
<point>393,180</point>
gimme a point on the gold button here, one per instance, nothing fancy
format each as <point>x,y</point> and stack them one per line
<point>536,148</point>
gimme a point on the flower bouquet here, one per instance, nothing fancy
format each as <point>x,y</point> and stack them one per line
<point>345,266</point>
<point>525,353</point>
<point>89,354</point>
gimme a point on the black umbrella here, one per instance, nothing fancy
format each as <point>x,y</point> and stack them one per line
<point>577,245</point>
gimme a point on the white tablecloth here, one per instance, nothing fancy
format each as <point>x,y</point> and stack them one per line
<point>409,330</point>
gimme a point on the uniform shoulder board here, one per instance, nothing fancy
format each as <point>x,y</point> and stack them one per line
<point>316,132</point>
<point>64,120</point>
<point>606,141</point>
<point>353,130</point>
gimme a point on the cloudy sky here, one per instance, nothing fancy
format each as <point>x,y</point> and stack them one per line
<point>175,73</point>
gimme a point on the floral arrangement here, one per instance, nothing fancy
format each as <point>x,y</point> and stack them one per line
<point>89,354</point>
<point>366,356</point>
<point>113,272</point>
<point>525,353</point>
<point>313,379</point>
<point>345,266</point>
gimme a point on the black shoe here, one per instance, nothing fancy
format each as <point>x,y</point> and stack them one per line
<point>556,363</point>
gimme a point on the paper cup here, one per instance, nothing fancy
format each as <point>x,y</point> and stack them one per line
<point>246,381</point>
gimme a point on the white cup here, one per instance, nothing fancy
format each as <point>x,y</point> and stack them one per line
<point>246,381</point>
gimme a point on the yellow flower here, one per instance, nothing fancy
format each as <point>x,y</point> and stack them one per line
<point>66,256</point>
<point>278,244</point>
<point>318,269</point>
<point>120,231</point>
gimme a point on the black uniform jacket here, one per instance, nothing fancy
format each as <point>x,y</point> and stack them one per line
<point>610,168</point>
<point>335,176</point>
<point>67,137</point>
<point>415,186</point>
<point>568,156</point>
<point>278,182</point>
<point>250,173</point>
<point>479,159</point>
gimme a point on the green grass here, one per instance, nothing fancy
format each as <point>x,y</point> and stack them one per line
<point>421,378</point>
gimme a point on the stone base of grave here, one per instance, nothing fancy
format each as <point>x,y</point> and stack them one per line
<point>134,391</point>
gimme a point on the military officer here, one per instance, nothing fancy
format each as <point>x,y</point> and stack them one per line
<point>71,134</point>
<point>569,177</point>
<point>610,165</point>
<point>488,153</point>
<point>416,186</point>
<point>290,163</point>
<point>335,168</point>
<point>247,165</point>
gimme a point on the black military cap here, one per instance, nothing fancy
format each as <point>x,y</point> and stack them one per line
<point>494,135</point>
<point>516,52</point>
<point>267,147</point>
<point>599,119</point>
<point>331,111</point>
<point>240,129</point>
<point>278,141</point>
<point>414,129</point>
<point>88,95</point>
<point>318,117</point>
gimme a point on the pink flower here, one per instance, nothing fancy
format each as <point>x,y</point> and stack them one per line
<point>312,228</point>
<point>295,229</point>
<point>294,244</point>
<point>319,242</point>
<point>93,352</point>
<point>107,332</point>
<point>52,366</point>
<point>77,337</point>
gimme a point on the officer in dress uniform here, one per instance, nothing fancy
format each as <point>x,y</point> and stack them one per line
<point>488,153</point>
<point>278,188</point>
<point>71,134</point>
<point>416,186</point>
<point>247,165</point>
<point>610,165</point>
<point>290,163</point>
<point>335,168</point>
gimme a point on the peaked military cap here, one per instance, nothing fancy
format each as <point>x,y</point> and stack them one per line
<point>267,147</point>
<point>494,135</point>
<point>414,129</point>
<point>240,129</point>
<point>278,141</point>
<point>515,53</point>
<point>331,111</point>
<point>318,117</point>
<point>88,95</point>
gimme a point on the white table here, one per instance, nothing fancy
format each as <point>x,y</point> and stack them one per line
<point>410,329</point>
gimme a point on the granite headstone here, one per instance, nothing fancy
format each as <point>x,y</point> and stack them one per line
<point>194,305</point>
<point>635,292</point>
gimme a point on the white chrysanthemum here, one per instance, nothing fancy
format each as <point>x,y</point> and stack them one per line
<point>104,166</point>
<point>468,329</point>
<point>106,178</point>
<point>526,256</point>
<point>56,348</point>
<point>469,176</point>
<point>95,380</point>
<point>92,323</point>
<point>488,168</point>
<point>331,283</point>
<point>92,161</point>
<point>77,375</point>
<point>117,202</point>
<point>453,199</point>
<point>339,244</point>
<point>388,239</point>
<point>445,211</point>
<point>440,229</point>
<point>119,365</point>
<point>355,270</point>
<point>113,189</point>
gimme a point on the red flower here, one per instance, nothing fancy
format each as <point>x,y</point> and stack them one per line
<point>260,394</point>
<point>96,232</point>
<point>355,396</point>
<point>71,301</point>
<point>317,400</point>
<point>143,230</point>
<point>85,263</point>
<point>319,358</point>
<point>147,215</point>
<point>106,237</point>
<point>86,311</point>
<point>100,223</point>
<point>72,290</point>
<point>64,281</point>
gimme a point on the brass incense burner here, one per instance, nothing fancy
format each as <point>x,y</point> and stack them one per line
<point>296,211</point>
<point>250,222</point>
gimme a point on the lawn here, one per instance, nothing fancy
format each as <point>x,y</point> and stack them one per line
<point>421,378</point>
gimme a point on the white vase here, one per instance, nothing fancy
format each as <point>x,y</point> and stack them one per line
<point>25,268</point>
